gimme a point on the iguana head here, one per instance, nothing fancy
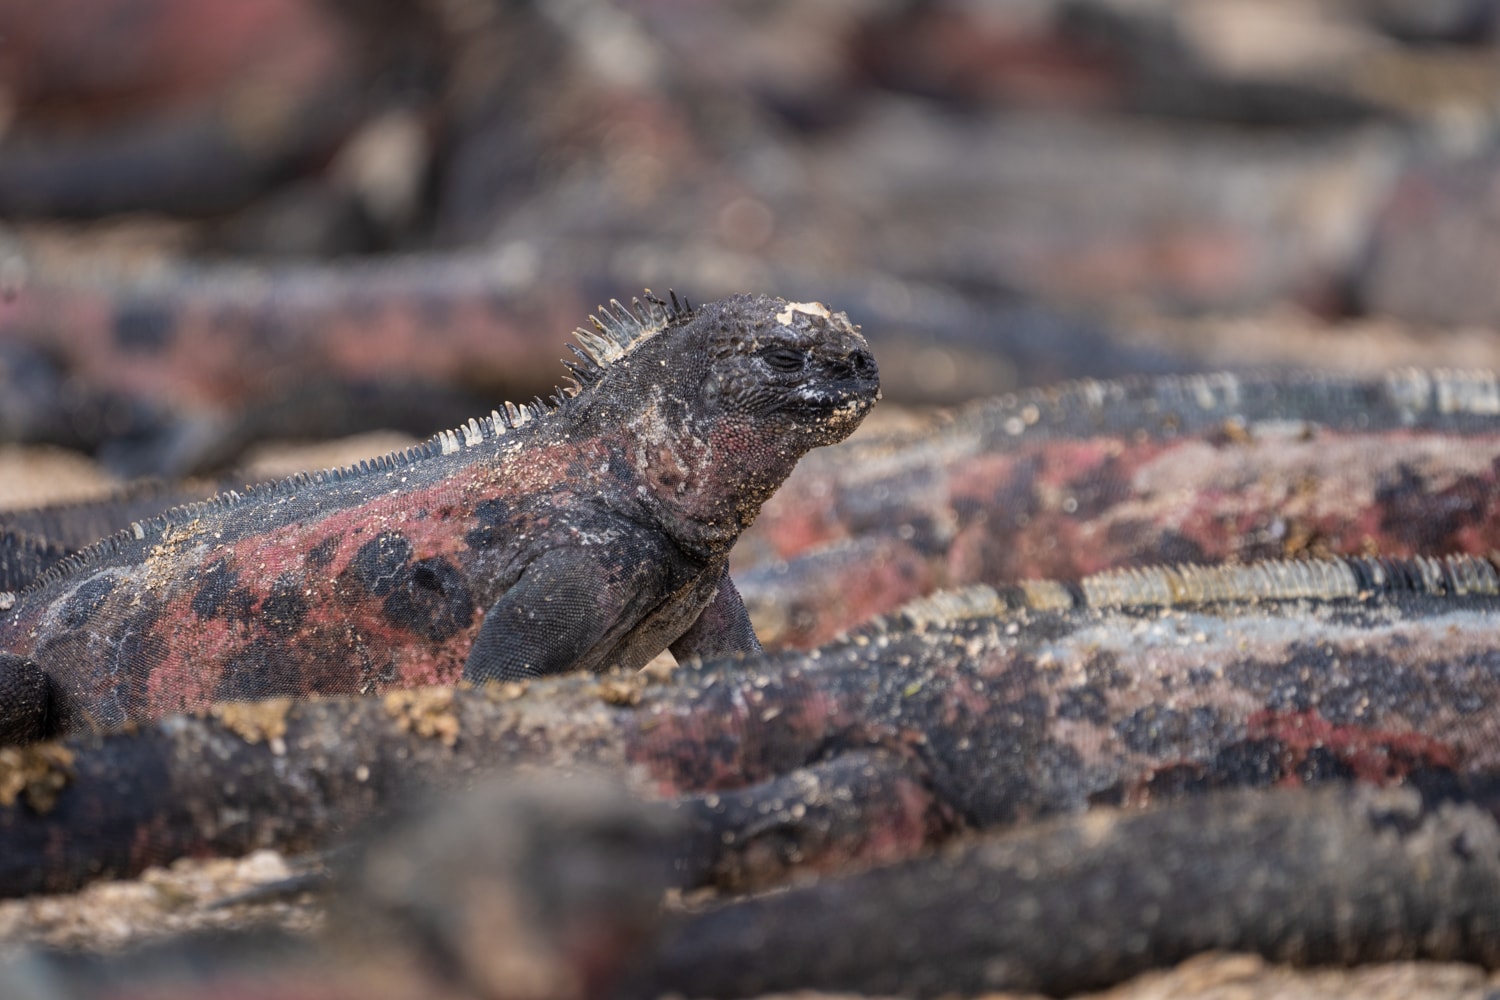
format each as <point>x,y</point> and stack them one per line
<point>716,404</point>
<point>796,371</point>
<point>789,368</point>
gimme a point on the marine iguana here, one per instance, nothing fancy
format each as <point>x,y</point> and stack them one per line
<point>1075,479</point>
<point>974,709</point>
<point>585,533</point>
<point>556,882</point>
<point>1335,875</point>
<point>178,376</point>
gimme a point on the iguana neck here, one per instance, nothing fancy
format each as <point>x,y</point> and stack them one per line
<point>703,480</point>
<point>701,489</point>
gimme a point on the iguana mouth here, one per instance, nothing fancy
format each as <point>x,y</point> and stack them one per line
<point>854,378</point>
<point>826,398</point>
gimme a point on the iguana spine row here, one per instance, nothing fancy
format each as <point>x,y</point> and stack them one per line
<point>1178,403</point>
<point>1356,578</point>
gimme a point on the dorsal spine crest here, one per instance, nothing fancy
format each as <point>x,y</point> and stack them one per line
<point>1187,585</point>
<point>619,329</point>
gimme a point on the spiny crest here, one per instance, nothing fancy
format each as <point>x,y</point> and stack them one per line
<point>618,329</point>
<point>1401,397</point>
<point>158,524</point>
<point>1186,585</point>
<point>1350,577</point>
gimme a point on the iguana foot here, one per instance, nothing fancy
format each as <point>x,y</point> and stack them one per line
<point>25,701</point>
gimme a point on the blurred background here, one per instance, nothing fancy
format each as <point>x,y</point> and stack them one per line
<point>227,223</point>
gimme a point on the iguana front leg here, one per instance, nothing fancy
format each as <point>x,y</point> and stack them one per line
<point>722,627</point>
<point>547,620</point>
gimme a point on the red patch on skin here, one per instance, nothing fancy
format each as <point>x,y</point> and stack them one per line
<point>905,821</point>
<point>687,750</point>
<point>344,643</point>
<point>1019,512</point>
<point>966,699</point>
<point>349,325</point>
<point>878,582</point>
<point>892,577</point>
<point>1068,508</point>
<point>1378,756</point>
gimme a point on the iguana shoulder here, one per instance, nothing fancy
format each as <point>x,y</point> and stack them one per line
<point>587,532</point>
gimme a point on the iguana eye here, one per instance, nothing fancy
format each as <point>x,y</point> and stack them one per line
<point>785,359</point>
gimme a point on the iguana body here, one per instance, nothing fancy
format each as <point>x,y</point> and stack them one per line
<point>180,373</point>
<point>1080,478</point>
<point>590,534</point>
<point>1332,876</point>
<point>1060,483</point>
<point>973,710</point>
<point>1069,453</point>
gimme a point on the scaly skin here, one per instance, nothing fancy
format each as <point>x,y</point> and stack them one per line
<point>1307,877</point>
<point>975,710</point>
<point>588,535</point>
<point>1218,467</point>
<point>24,556</point>
<point>1151,471</point>
<point>32,540</point>
<point>1086,477</point>
<point>565,886</point>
